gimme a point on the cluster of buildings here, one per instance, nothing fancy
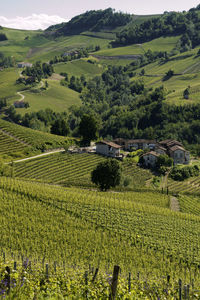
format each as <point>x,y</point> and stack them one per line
<point>24,65</point>
<point>154,149</point>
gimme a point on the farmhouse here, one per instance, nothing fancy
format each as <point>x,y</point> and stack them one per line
<point>136,144</point>
<point>150,158</point>
<point>108,148</point>
<point>24,64</point>
<point>179,155</point>
<point>19,104</point>
<point>170,147</point>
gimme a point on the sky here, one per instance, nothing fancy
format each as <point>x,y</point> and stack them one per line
<point>39,14</point>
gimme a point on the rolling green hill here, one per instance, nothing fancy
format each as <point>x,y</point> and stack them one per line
<point>80,67</point>
<point>56,97</point>
<point>186,67</point>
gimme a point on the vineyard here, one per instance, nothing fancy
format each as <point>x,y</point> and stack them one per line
<point>35,139</point>
<point>9,144</point>
<point>60,168</point>
<point>191,186</point>
<point>73,169</point>
<point>81,226</point>
<point>77,228</point>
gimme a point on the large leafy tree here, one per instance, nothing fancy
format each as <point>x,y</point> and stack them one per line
<point>88,128</point>
<point>107,174</point>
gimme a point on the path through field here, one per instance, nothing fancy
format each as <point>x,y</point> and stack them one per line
<point>39,155</point>
<point>23,96</point>
<point>174,204</point>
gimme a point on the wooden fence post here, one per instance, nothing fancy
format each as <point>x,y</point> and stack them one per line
<point>129,282</point>
<point>185,292</point>
<point>47,271</point>
<point>114,283</point>
<point>180,289</point>
<point>86,283</point>
<point>7,278</point>
<point>95,274</point>
<point>55,266</point>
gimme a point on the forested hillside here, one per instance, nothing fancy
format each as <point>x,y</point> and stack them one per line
<point>185,24</point>
<point>93,20</point>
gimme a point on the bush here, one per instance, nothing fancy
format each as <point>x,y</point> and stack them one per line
<point>184,173</point>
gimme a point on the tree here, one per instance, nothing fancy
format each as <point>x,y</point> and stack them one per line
<point>186,93</point>
<point>88,128</point>
<point>107,174</point>
<point>60,127</point>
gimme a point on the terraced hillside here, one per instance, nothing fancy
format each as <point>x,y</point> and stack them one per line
<point>191,186</point>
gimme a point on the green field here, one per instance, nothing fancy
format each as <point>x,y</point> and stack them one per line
<point>135,230</point>
<point>186,67</point>
<point>56,97</point>
<point>8,88</point>
<point>160,44</point>
<point>80,67</point>
<point>39,47</point>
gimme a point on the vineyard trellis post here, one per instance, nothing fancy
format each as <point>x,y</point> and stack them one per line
<point>180,289</point>
<point>114,283</point>
<point>129,282</point>
<point>7,278</point>
<point>95,274</point>
<point>47,271</point>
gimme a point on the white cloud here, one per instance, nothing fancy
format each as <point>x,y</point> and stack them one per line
<point>33,22</point>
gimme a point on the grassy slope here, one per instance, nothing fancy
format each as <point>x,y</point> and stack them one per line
<point>56,97</point>
<point>8,88</point>
<point>38,47</point>
<point>186,66</point>
<point>16,45</point>
<point>79,67</point>
<point>160,44</point>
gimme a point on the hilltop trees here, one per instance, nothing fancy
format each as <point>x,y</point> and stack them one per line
<point>107,174</point>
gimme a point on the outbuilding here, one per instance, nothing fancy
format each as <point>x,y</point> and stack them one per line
<point>108,148</point>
